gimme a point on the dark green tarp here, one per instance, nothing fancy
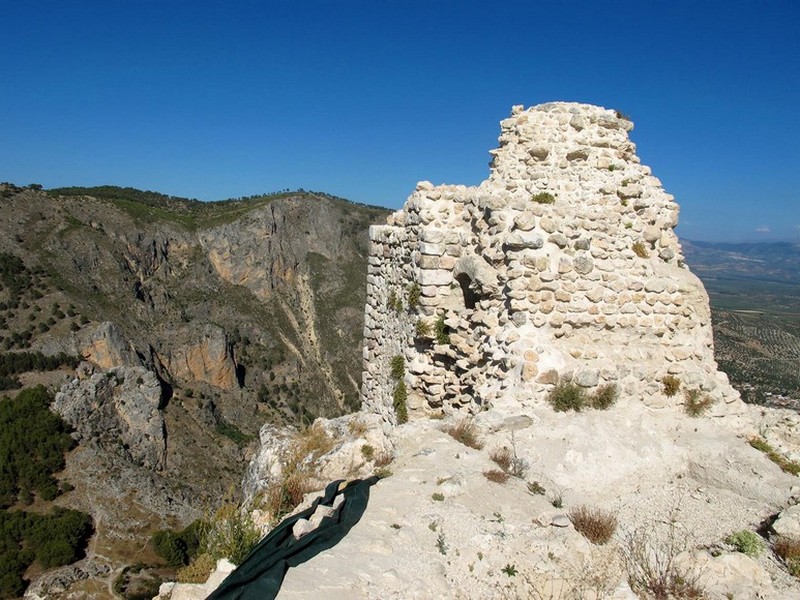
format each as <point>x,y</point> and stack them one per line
<point>260,575</point>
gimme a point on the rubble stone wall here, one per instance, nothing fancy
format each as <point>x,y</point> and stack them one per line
<point>563,264</point>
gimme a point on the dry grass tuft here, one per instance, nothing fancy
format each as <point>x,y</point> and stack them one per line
<point>640,250</point>
<point>650,554</point>
<point>286,494</point>
<point>312,443</point>
<point>604,396</point>
<point>694,405</point>
<point>357,427</point>
<point>671,385</point>
<point>464,431</point>
<point>300,464</point>
<point>496,475</point>
<point>502,457</point>
<point>383,459</point>
<point>594,524</point>
<point>789,551</point>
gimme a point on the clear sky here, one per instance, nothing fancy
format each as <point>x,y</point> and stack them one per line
<point>362,99</point>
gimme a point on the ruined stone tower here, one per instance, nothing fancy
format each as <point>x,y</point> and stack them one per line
<point>562,265</point>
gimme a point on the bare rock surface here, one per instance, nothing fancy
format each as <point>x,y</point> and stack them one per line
<point>119,406</point>
<point>439,528</point>
<point>208,358</point>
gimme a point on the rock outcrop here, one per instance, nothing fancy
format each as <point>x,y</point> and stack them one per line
<point>107,347</point>
<point>119,408</point>
<point>562,265</point>
<point>209,359</point>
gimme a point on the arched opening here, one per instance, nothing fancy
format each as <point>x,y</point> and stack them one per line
<point>471,297</point>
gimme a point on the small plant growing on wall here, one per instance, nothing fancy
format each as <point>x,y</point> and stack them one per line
<point>423,328</point>
<point>397,370</point>
<point>640,250</point>
<point>399,401</point>
<point>441,331</point>
<point>543,198</point>
<point>671,385</point>
<point>414,293</point>
<point>398,367</point>
<point>695,404</point>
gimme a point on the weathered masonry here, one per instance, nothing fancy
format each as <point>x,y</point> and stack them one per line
<point>563,264</point>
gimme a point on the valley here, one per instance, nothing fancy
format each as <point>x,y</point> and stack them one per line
<point>194,324</point>
<point>755,308</point>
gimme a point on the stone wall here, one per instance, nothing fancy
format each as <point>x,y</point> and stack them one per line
<point>563,264</point>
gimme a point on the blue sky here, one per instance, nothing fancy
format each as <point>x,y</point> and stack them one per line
<point>362,99</point>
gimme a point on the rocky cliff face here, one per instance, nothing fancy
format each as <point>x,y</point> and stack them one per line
<point>197,323</point>
<point>562,266</point>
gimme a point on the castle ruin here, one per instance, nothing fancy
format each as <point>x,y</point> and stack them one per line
<point>563,265</point>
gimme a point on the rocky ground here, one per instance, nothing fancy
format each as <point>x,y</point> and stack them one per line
<point>437,527</point>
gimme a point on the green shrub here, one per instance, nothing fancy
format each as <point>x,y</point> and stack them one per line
<point>233,433</point>
<point>566,396</point>
<point>440,331</point>
<point>604,396</point>
<point>368,452</point>
<point>746,542</point>
<point>394,302</point>
<point>399,402</point>
<point>671,385</point>
<point>33,441</point>
<point>788,466</point>
<point>640,250</point>
<point>398,367</point>
<point>423,328</point>
<point>438,497</point>
<point>694,405</point>
<point>178,548</point>
<point>414,293</point>
<point>543,198</point>
<point>53,539</point>
<point>231,534</point>
<point>510,570</point>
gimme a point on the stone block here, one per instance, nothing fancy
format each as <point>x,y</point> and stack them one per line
<point>518,240</point>
<point>435,277</point>
<point>432,249</point>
